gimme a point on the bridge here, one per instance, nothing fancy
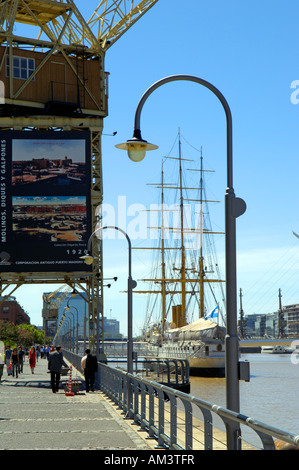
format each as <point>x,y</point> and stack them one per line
<point>287,342</point>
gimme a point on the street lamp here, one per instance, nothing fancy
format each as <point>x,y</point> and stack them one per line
<point>88,258</point>
<point>136,147</point>
<point>68,326</point>
<point>66,309</point>
<point>77,333</point>
<point>234,207</point>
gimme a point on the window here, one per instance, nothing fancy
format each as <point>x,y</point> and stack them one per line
<point>22,67</point>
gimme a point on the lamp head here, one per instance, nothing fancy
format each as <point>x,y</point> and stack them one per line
<point>74,293</point>
<point>88,259</point>
<point>136,147</point>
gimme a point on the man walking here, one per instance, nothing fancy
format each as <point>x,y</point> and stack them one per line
<point>90,366</point>
<point>55,364</point>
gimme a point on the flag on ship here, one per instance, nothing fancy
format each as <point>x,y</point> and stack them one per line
<point>213,313</point>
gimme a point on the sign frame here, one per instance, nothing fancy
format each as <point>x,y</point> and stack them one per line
<point>45,201</point>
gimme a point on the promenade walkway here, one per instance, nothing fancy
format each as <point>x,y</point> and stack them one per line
<point>32,417</point>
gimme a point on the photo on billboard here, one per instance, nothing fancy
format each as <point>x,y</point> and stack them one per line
<point>51,328</point>
<point>45,217</point>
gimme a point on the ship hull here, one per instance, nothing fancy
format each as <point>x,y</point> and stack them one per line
<point>214,367</point>
<point>201,364</point>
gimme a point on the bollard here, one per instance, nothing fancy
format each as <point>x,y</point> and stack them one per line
<point>70,393</point>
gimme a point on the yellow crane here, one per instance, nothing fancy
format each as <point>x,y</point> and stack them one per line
<point>61,21</point>
<point>51,303</point>
<point>56,298</point>
<point>114,17</point>
<point>62,87</point>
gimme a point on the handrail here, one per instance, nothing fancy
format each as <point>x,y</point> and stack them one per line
<point>150,402</point>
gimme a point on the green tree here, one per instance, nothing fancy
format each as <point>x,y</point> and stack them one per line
<point>28,335</point>
<point>8,332</point>
<point>23,335</point>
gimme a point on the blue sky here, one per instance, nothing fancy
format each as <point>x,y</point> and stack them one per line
<point>30,149</point>
<point>249,52</point>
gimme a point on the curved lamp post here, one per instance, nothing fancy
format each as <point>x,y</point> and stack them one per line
<point>77,332</point>
<point>68,326</point>
<point>88,258</point>
<point>234,207</point>
<point>67,310</point>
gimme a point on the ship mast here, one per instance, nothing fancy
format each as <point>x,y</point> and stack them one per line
<point>183,252</point>
<point>242,321</point>
<point>183,279</point>
<point>201,259</point>
<point>163,283</point>
<point>281,321</point>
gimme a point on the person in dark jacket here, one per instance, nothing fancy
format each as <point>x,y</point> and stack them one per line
<point>55,364</point>
<point>90,367</point>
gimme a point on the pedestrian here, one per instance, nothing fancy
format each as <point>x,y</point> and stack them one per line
<point>89,366</point>
<point>8,353</point>
<point>41,352</point>
<point>21,354</point>
<point>32,359</point>
<point>55,364</point>
<point>14,360</point>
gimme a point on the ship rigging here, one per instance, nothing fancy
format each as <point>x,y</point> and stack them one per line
<point>183,274</point>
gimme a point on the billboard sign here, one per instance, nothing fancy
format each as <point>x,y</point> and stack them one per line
<point>45,209</point>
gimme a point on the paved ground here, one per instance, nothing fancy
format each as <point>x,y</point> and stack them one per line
<point>32,417</point>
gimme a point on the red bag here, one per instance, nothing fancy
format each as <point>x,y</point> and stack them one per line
<point>9,367</point>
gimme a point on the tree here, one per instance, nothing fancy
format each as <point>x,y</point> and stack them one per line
<point>8,332</point>
<point>28,335</point>
<point>23,335</point>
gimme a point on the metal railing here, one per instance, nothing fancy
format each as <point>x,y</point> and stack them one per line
<point>171,417</point>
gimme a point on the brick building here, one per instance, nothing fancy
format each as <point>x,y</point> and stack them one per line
<point>11,310</point>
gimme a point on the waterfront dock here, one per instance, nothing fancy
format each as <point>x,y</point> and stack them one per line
<point>34,418</point>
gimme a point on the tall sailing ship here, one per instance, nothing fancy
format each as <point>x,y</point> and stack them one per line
<point>201,341</point>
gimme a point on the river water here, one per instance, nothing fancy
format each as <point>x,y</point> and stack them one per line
<point>271,396</point>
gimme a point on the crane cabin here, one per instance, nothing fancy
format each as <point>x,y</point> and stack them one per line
<point>58,84</point>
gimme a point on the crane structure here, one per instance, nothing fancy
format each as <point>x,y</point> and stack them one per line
<point>52,72</point>
<point>51,304</point>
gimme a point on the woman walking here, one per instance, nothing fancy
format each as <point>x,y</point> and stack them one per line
<point>14,360</point>
<point>32,359</point>
<point>8,354</point>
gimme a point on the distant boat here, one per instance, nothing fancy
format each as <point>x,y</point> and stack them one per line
<point>277,349</point>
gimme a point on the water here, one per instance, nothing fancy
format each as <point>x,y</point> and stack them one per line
<point>271,396</point>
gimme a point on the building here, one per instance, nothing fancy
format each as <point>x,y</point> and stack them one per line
<point>58,306</point>
<point>291,316</point>
<point>111,329</point>
<point>261,324</point>
<point>73,306</point>
<point>11,310</point>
